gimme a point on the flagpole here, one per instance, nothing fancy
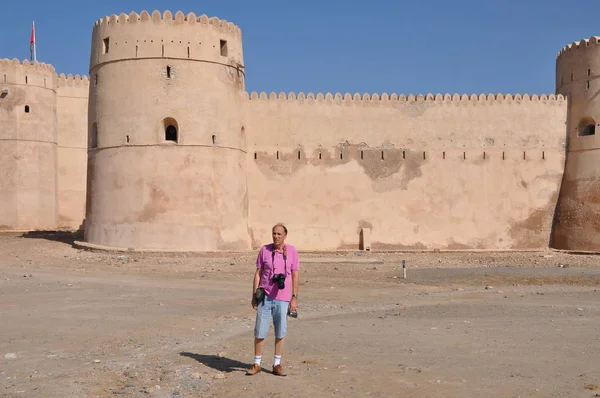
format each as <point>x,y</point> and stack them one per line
<point>34,45</point>
<point>32,49</point>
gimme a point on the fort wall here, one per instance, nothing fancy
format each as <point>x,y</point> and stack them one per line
<point>72,136</point>
<point>27,146</point>
<point>577,77</point>
<point>167,159</point>
<point>425,172</point>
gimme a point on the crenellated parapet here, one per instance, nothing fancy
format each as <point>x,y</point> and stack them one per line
<point>578,45</point>
<point>34,74</point>
<point>391,99</point>
<point>72,81</point>
<point>72,86</point>
<point>577,64</point>
<point>167,35</point>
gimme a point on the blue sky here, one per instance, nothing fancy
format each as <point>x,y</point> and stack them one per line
<point>393,46</point>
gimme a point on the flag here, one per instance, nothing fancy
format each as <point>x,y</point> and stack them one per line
<point>32,52</point>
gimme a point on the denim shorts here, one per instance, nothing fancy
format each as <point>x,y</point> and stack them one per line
<point>268,309</point>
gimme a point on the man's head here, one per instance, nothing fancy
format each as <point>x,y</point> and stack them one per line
<point>279,235</point>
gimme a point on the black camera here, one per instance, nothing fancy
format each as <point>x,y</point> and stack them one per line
<point>280,280</point>
<point>259,295</point>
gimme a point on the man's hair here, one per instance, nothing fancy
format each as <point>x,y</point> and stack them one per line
<point>280,225</point>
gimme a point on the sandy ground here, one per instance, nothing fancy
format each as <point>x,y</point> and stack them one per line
<point>76,323</point>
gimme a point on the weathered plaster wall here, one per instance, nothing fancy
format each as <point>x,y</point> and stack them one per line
<point>426,172</point>
<point>71,117</point>
<point>145,191</point>
<point>27,146</point>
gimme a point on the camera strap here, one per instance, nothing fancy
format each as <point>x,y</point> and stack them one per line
<point>284,260</point>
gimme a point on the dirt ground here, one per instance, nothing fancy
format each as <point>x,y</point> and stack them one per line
<point>77,323</point>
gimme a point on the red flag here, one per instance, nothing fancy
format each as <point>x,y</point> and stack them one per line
<point>32,52</point>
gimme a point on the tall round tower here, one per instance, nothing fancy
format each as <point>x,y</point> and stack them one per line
<point>577,221</point>
<point>28,183</point>
<point>167,157</point>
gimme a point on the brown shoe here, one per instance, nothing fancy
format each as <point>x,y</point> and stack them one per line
<point>278,370</point>
<point>253,370</point>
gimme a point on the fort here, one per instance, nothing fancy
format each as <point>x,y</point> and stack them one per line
<point>162,148</point>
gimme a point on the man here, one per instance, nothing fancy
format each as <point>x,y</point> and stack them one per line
<point>280,296</point>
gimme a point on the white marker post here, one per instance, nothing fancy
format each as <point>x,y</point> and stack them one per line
<point>404,268</point>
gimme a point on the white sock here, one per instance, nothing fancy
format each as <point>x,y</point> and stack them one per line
<point>257,359</point>
<point>277,360</point>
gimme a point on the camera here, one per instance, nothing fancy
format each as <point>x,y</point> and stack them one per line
<point>280,280</point>
<point>259,295</point>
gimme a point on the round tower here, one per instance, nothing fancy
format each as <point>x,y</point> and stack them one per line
<point>577,221</point>
<point>28,183</point>
<point>167,151</point>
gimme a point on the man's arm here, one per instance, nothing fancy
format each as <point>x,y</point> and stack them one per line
<point>295,286</point>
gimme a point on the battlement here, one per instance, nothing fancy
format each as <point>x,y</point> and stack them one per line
<point>376,99</point>
<point>72,86</point>
<point>577,45</point>
<point>70,80</point>
<point>35,74</point>
<point>166,36</point>
<point>37,66</point>
<point>167,17</point>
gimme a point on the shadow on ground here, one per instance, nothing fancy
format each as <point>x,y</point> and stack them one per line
<point>221,364</point>
<point>67,237</point>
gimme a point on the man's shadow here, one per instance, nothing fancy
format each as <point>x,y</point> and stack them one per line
<point>221,364</point>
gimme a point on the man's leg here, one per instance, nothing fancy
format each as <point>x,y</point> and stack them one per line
<point>280,324</point>
<point>279,346</point>
<point>258,346</point>
<point>261,328</point>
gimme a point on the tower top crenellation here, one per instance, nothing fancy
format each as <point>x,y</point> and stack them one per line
<point>168,18</point>
<point>578,45</point>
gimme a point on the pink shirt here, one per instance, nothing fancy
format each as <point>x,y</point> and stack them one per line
<point>281,266</point>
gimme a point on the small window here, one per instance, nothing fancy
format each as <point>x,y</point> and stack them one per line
<point>26,80</point>
<point>214,139</point>
<point>587,126</point>
<point>96,80</point>
<point>171,129</point>
<point>26,108</point>
<point>223,46</point>
<point>168,72</point>
<point>94,136</point>
<point>171,133</point>
<point>105,45</point>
